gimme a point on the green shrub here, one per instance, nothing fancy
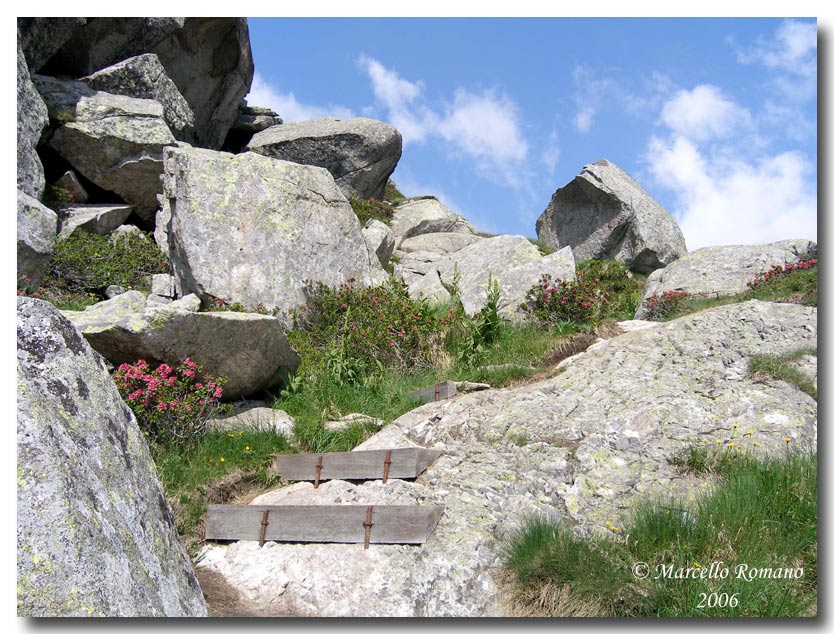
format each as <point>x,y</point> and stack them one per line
<point>666,304</point>
<point>88,263</point>
<point>553,302</point>
<point>371,208</point>
<point>392,194</point>
<point>483,329</point>
<point>364,329</point>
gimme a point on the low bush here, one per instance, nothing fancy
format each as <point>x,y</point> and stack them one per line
<point>371,208</point>
<point>172,406</point>
<point>87,263</point>
<point>666,304</point>
<point>552,302</point>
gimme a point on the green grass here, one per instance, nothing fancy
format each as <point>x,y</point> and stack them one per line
<point>316,397</point>
<point>190,475</point>
<point>782,368</point>
<point>759,514</point>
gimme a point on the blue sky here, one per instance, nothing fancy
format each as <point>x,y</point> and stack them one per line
<point>715,118</point>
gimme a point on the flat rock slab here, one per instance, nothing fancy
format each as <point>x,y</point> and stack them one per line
<point>258,418</point>
<point>100,218</point>
<point>720,270</point>
<point>584,446</point>
<point>248,349</point>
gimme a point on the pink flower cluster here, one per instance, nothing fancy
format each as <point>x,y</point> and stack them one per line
<point>165,400</point>
<point>779,271</point>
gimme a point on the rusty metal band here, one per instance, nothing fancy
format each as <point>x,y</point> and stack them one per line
<point>319,463</point>
<point>387,464</point>
<point>368,523</point>
<point>264,524</point>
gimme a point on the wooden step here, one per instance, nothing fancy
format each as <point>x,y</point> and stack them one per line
<point>437,392</point>
<point>349,524</point>
<point>404,463</point>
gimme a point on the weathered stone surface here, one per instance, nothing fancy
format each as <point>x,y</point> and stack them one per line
<point>37,227</point>
<point>438,242</point>
<point>163,284</point>
<point>249,349</point>
<point>113,140</point>
<point>31,120</point>
<point>720,270</point>
<point>360,153</point>
<point>247,228</point>
<point>101,218</point>
<point>380,240</point>
<point>585,445</point>
<point>41,38</point>
<point>210,61</point>
<point>512,261</point>
<point>95,534</point>
<point>352,419</point>
<point>125,232</point>
<point>104,41</point>
<point>69,181</point>
<point>259,417</point>
<point>603,213</point>
<point>114,290</point>
<point>254,119</point>
<point>144,77</point>
<point>800,248</point>
<point>427,215</point>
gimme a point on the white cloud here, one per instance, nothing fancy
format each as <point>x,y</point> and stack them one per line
<point>286,104</point>
<point>484,127</point>
<point>550,154</point>
<point>703,113</point>
<point>725,199</point>
<point>791,53</point>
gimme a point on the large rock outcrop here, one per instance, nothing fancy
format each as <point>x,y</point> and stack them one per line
<point>252,229</point>
<point>37,227</point>
<point>95,534</point>
<point>42,37</point>
<point>427,215</point>
<point>31,120</point>
<point>721,270</point>
<point>114,141</point>
<point>583,446</point>
<point>144,77</point>
<point>210,61</point>
<point>360,153</point>
<point>604,213</point>
<point>513,262</point>
<point>250,350</point>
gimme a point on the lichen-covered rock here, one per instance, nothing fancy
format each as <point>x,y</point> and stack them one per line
<point>511,261</point>
<point>604,213</point>
<point>247,348</point>
<point>583,446</point>
<point>427,215</point>
<point>114,141</point>
<point>210,61</point>
<point>95,534</point>
<point>37,226</point>
<point>380,240</point>
<point>246,417</point>
<point>31,120</point>
<point>247,228</point>
<point>144,77</point>
<point>720,270</point>
<point>438,242</point>
<point>101,218</point>
<point>69,181</point>
<point>360,153</point>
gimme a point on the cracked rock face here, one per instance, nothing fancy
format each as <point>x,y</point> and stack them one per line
<point>37,226</point>
<point>360,153</point>
<point>31,120</point>
<point>604,213</point>
<point>247,228</point>
<point>427,215</point>
<point>583,446</point>
<point>95,534</point>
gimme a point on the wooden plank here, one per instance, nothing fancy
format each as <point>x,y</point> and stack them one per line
<point>438,392</point>
<point>332,523</point>
<point>355,465</point>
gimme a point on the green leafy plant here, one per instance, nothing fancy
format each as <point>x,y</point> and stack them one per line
<point>171,405</point>
<point>365,209</point>
<point>484,328</point>
<point>88,263</point>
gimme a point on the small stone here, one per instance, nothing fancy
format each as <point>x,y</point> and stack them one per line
<point>69,181</point>
<point>163,285</point>
<point>113,290</point>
